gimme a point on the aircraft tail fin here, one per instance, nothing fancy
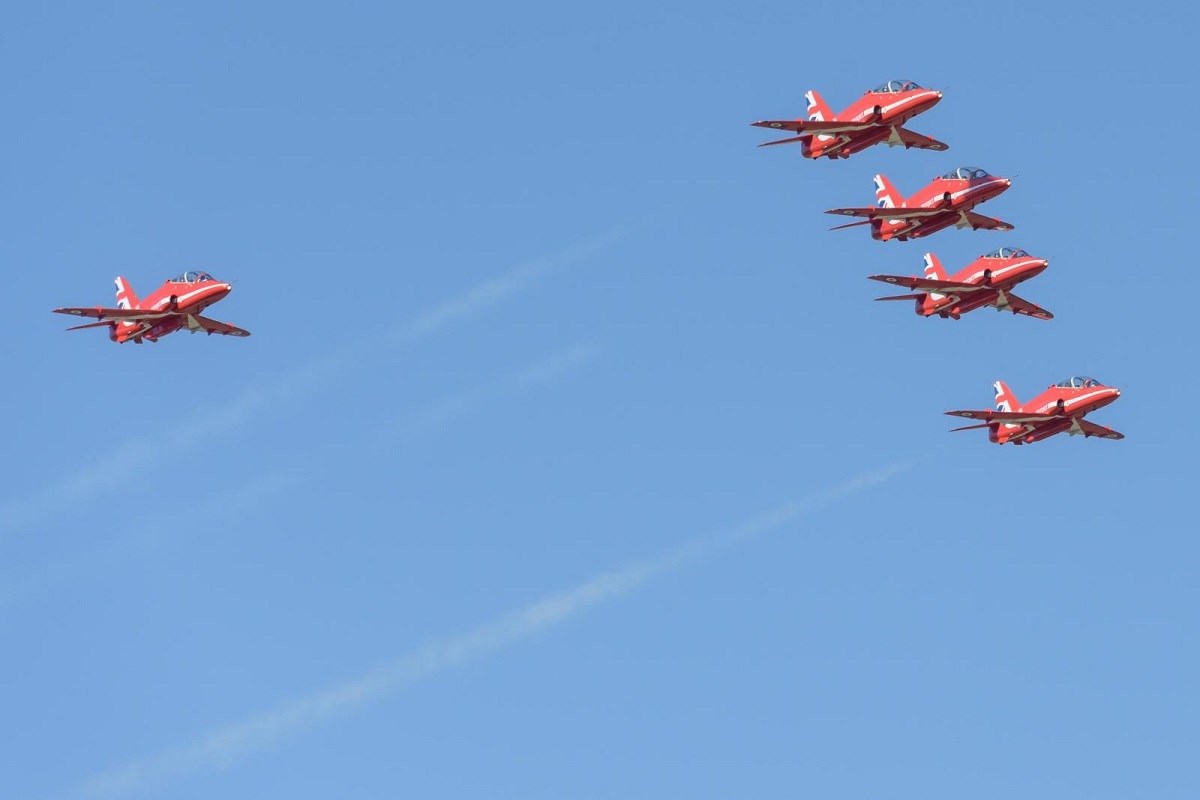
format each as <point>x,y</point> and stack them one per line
<point>1005,399</point>
<point>126,298</point>
<point>934,269</point>
<point>818,109</point>
<point>886,195</point>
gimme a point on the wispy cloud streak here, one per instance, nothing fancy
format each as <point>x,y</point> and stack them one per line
<point>225,747</point>
<point>542,372</point>
<point>135,455</point>
<point>248,494</point>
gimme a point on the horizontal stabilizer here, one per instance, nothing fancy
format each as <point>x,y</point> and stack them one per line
<point>850,225</point>
<point>970,428</point>
<point>786,141</point>
<point>89,325</point>
<point>902,297</point>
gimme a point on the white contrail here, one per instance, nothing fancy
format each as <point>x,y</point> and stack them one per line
<point>103,558</point>
<point>135,455</point>
<point>250,493</point>
<point>541,372</point>
<point>225,747</point>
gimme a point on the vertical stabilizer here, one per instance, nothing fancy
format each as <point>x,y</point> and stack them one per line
<point>818,109</point>
<point>125,294</point>
<point>935,272</point>
<point>933,268</point>
<point>1005,399</point>
<point>886,195</point>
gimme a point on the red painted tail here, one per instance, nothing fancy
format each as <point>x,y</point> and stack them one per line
<point>1005,401</point>
<point>818,109</point>
<point>886,195</point>
<point>934,269</point>
<point>126,298</point>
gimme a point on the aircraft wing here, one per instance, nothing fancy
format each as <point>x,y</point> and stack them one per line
<point>114,313</point>
<point>195,322</point>
<point>811,126</point>
<point>1009,417</point>
<point>876,212</point>
<point>978,221</point>
<point>913,139</point>
<point>1018,305</point>
<point>929,285</point>
<point>1092,429</point>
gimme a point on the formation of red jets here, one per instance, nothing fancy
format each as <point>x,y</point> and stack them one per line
<point>879,116</point>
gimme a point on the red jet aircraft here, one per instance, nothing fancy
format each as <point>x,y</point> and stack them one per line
<point>946,201</point>
<point>176,304</point>
<point>986,281</point>
<point>877,116</point>
<point>1059,408</point>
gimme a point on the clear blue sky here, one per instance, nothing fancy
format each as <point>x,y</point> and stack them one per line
<point>529,306</point>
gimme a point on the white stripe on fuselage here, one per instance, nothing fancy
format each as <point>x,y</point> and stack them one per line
<point>867,113</point>
<point>998,272</point>
<point>932,203</point>
<point>1074,401</point>
<point>180,299</point>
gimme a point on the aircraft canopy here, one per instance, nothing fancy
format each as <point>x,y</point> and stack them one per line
<point>966,174</point>
<point>1078,383</point>
<point>1007,252</point>
<point>892,87</point>
<point>192,276</point>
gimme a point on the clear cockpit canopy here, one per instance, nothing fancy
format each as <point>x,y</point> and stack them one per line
<point>192,276</point>
<point>966,174</point>
<point>892,87</point>
<point>1078,382</point>
<point>1007,252</point>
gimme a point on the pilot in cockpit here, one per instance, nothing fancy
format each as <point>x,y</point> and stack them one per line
<point>892,87</point>
<point>965,174</point>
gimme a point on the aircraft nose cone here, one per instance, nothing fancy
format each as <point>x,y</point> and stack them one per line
<point>1008,181</point>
